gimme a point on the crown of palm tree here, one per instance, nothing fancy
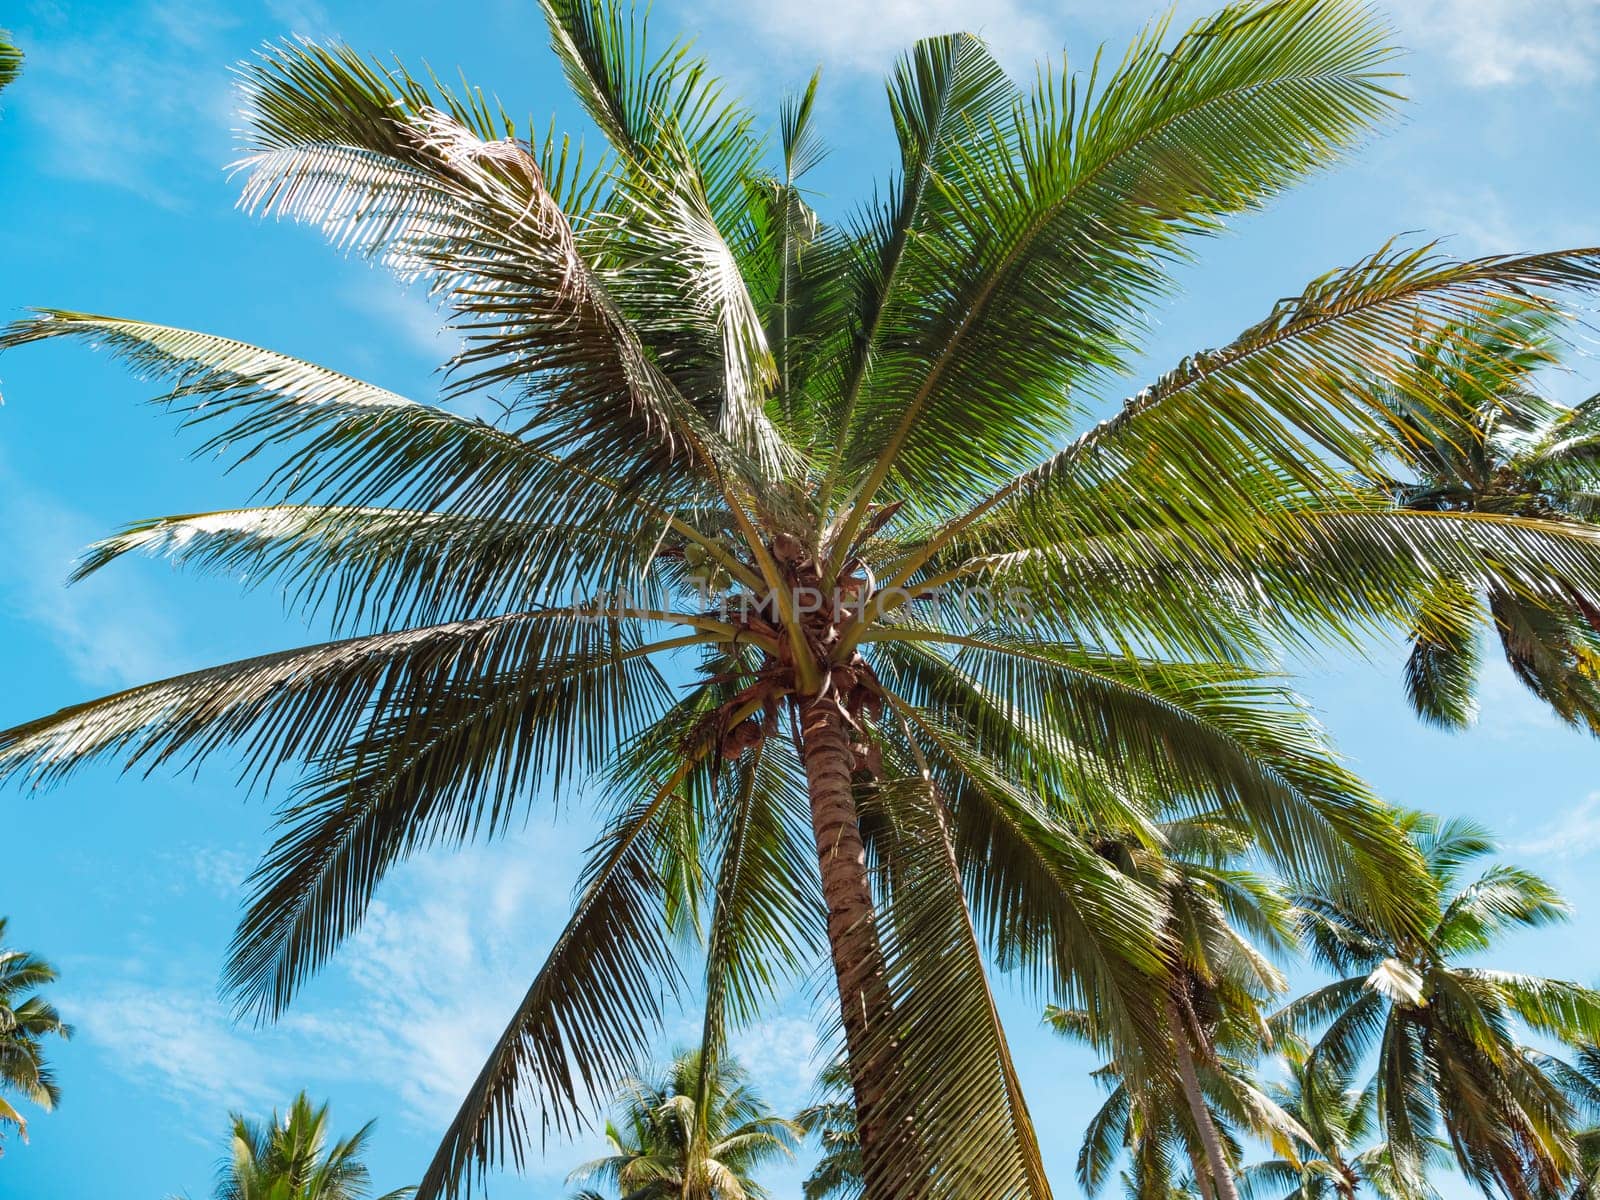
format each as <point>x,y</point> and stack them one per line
<point>1491,443</point>
<point>694,1134</point>
<point>26,1019</point>
<point>10,59</point>
<point>291,1158</point>
<point>1339,1154</point>
<point>1448,1059</point>
<point>1177,1131</point>
<point>705,384</point>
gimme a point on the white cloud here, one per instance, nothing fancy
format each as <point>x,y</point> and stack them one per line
<point>1507,710</point>
<point>302,18</point>
<point>781,1054</point>
<point>111,633</point>
<point>137,99</point>
<point>1492,43</point>
<point>845,34</point>
<point>410,1005</point>
<point>1575,833</point>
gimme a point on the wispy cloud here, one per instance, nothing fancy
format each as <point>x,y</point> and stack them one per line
<point>411,1005</point>
<point>415,321</point>
<point>1574,833</point>
<point>136,98</point>
<point>302,18</point>
<point>852,36</point>
<point>1498,43</point>
<point>782,1054</point>
<point>110,634</point>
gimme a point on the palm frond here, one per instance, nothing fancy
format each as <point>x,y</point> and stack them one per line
<point>585,1022</point>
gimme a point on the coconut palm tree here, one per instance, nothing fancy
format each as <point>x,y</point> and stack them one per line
<point>290,1158</point>
<point>10,59</point>
<point>26,1019</point>
<point>1581,1081</point>
<point>1489,442</point>
<point>1219,921</point>
<point>1155,1141</point>
<point>773,458</point>
<point>831,1123</point>
<point>1340,1157</point>
<point>674,1141</point>
<point>1448,1059</point>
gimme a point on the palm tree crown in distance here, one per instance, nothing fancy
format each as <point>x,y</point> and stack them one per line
<point>693,1133</point>
<point>10,59</point>
<point>1492,443</point>
<point>26,1019</point>
<point>1340,1155</point>
<point>1448,1062</point>
<point>830,1122</point>
<point>838,425</point>
<point>1222,924</point>
<point>290,1158</point>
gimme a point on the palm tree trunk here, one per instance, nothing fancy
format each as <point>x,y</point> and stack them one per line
<point>1210,1139</point>
<point>865,1004</point>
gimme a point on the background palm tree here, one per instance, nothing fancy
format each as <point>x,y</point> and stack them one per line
<point>291,1158</point>
<point>1581,1081</point>
<point>1448,1060</point>
<point>691,1135</point>
<point>26,1019</point>
<point>1339,1156</point>
<point>706,384</point>
<point>10,59</point>
<point>1220,926</point>
<point>831,1123</point>
<point>1491,443</point>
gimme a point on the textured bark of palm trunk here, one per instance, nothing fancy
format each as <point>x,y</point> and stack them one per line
<point>865,1004</point>
<point>1221,1175</point>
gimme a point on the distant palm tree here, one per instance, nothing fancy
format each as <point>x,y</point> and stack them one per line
<point>1340,1156</point>
<point>1448,1060</point>
<point>771,456</point>
<point>1153,1137</point>
<point>1477,436</point>
<point>691,1135</point>
<point>290,1158</point>
<point>1221,923</point>
<point>26,1018</point>
<point>831,1123</point>
<point>10,59</point>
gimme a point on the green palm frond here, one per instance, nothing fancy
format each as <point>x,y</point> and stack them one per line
<point>966,1112</point>
<point>27,1018</point>
<point>605,971</point>
<point>1082,193</point>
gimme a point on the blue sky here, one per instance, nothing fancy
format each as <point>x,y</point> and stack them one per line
<point>112,199</point>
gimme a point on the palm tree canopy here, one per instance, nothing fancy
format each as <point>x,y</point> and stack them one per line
<point>1223,925</point>
<point>758,452</point>
<point>10,59</point>
<point>1340,1153</point>
<point>1448,1060</point>
<point>292,1157</point>
<point>1490,442</point>
<point>26,1019</point>
<point>830,1121</point>
<point>693,1134</point>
